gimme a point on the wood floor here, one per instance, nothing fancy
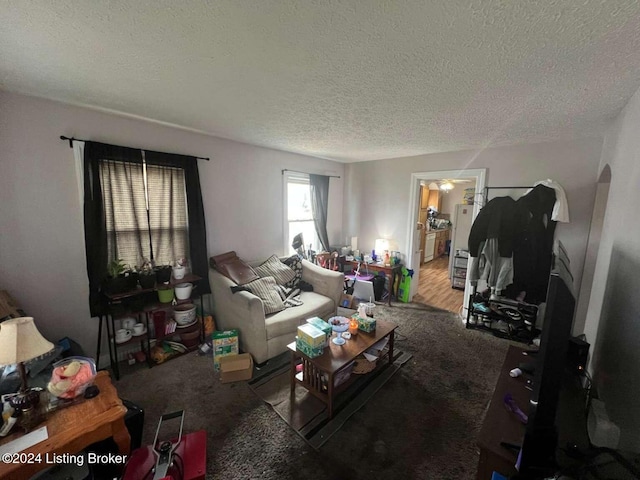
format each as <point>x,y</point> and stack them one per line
<point>435,287</point>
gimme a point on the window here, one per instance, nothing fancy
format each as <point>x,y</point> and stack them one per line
<point>299,217</point>
<point>145,212</point>
<point>140,204</point>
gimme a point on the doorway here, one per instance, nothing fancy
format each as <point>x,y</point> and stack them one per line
<point>431,282</point>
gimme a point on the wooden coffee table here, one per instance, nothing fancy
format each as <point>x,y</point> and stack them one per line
<point>318,374</point>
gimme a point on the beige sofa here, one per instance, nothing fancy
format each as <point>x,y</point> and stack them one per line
<point>267,336</point>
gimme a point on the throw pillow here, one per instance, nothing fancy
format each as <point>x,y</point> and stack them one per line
<point>232,267</point>
<point>295,263</point>
<point>266,289</point>
<point>273,267</point>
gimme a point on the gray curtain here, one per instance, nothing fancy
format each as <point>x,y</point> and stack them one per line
<point>319,206</point>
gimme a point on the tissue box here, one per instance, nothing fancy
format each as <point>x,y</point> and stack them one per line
<point>312,336</point>
<point>322,325</point>
<point>224,343</point>
<point>307,349</point>
<point>366,324</point>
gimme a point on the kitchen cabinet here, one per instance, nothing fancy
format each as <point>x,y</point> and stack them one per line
<point>441,242</point>
<point>424,197</point>
<point>434,199</point>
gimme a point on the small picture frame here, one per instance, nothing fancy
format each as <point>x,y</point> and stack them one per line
<point>346,301</point>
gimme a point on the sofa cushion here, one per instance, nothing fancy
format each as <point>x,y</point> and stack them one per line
<point>273,267</point>
<point>295,263</point>
<point>265,288</point>
<point>286,322</point>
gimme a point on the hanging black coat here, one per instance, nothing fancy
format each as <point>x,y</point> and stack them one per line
<point>495,220</point>
<point>533,243</point>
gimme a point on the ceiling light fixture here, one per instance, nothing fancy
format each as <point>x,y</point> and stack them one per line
<point>446,186</point>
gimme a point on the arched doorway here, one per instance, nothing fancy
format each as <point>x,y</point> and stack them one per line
<point>593,245</point>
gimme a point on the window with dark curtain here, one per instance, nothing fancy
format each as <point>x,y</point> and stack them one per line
<point>141,205</point>
<point>146,215</point>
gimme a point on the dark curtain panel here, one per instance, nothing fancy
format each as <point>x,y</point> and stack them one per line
<point>319,207</point>
<point>197,236</point>
<point>95,221</point>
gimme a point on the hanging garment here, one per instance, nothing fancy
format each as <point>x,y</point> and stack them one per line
<point>495,220</point>
<point>560,212</point>
<point>533,243</point>
<point>489,266</point>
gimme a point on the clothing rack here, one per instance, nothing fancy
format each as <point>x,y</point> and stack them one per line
<point>486,191</point>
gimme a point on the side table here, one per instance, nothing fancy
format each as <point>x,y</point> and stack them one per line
<point>74,428</point>
<point>392,272</point>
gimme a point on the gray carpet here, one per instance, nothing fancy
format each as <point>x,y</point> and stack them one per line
<point>422,424</point>
<point>309,416</point>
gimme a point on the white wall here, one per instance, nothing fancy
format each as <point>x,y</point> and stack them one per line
<point>380,202</point>
<point>42,255</point>
<point>613,319</point>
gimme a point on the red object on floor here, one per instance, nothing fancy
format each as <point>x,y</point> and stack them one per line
<point>189,460</point>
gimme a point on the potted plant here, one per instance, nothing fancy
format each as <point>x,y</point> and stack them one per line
<point>163,273</point>
<point>147,275</point>
<point>119,279</point>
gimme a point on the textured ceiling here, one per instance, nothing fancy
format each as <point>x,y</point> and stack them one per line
<point>346,80</point>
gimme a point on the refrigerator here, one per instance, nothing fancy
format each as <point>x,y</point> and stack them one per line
<point>462,220</point>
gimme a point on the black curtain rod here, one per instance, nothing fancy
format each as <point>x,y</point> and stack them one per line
<point>306,173</point>
<point>73,139</point>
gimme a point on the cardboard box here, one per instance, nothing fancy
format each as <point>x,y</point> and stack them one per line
<point>312,336</point>
<point>9,307</point>
<point>224,343</point>
<point>322,325</point>
<point>307,349</point>
<point>235,368</point>
<point>366,324</point>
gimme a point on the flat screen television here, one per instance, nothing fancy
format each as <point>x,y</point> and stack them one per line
<point>537,455</point>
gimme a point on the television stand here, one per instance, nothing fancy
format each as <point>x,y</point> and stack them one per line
<point>501,431</point>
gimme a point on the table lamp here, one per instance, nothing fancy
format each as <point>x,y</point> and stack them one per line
<point>20,341</point>
<point>382,247</point>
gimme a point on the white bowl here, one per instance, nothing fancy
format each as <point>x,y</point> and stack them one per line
<point>183,290</point>
<point>184,314</point>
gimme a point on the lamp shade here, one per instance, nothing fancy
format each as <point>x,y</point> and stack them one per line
<point>20,341</point>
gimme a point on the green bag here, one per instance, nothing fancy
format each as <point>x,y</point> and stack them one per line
<point>404,287</point>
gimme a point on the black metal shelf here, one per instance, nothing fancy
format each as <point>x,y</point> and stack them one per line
<point>518,330</point>
<point>141,303</point>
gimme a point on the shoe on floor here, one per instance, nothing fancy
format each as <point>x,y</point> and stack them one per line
<point>481,307</point>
